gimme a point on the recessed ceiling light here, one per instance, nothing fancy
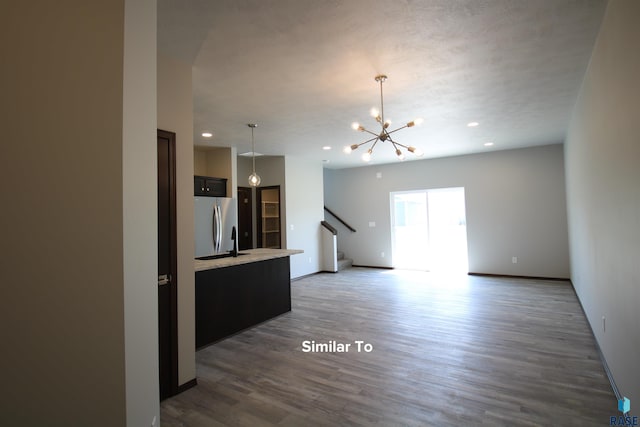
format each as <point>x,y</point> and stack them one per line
<point>472,124</point>
<point>326,147</point>
<point>488,144</point>
<point>207,134</point>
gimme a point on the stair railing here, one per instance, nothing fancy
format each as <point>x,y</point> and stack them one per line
<point>353,230</point>
<point>329,227</point>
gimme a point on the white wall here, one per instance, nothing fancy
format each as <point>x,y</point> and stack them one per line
<point>603,177</point>
<point>140,207</point>
<point>175,114</point>
<point>79,293</point>
<point>515,202</point>
<point>304,206</point>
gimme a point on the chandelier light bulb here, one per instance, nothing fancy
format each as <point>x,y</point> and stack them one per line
<point>367,156</point>
<point>374,112</point>
<point>416,122</point>
<point>399,154</point>
<point>347,149</point>
<point>357,126</point>
<point>418,152</point>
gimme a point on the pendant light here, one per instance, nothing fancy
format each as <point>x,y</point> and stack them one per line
<point>254,178</point>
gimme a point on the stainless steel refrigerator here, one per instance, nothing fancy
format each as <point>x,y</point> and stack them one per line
<point>214,219</point>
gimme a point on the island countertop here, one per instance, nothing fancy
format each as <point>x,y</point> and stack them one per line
<point>252,255</point>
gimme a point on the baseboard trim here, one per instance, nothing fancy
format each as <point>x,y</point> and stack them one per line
<point>295,279</point>
<point>605,366</point>
<point>186,386</point>
<point>511,276</point>
<point>377,267</point>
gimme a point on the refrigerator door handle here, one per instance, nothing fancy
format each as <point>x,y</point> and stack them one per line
<point>214,228</point>
<point>221,231</point>
<point>218,227</point>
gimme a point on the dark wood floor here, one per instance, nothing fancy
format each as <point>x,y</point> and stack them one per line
<point>446,351</point>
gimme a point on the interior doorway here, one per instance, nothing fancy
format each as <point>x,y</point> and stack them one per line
<point>268,217</point>
<point>167,266</point>
<point>429,230</point>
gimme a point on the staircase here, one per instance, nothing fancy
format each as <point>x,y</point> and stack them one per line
<point>343,263</point>
<point>333,260</point>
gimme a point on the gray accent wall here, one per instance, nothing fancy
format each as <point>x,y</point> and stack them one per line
<point>515,206</point>
<point>603,176</point>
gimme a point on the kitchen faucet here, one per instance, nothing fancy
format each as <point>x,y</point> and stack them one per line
<point>234,251</point>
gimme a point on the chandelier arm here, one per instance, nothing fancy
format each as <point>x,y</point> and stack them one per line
<point>368,131</point>
<point>368,140</point>
<point>396,130</point>
<point>395,143</point>
<point>401,145</point>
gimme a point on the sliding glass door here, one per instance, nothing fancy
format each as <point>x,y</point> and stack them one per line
<point>429,230</point>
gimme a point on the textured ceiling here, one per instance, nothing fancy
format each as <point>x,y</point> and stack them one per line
<point>304,70</point>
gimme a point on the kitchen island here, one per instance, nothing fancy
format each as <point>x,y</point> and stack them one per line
<point>235,293</point>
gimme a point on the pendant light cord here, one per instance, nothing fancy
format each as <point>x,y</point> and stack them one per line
<point>253,151</point>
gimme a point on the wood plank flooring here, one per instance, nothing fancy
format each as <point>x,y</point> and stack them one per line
<point>447,350</point>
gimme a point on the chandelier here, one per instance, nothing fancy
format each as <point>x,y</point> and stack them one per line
<point>385,134</point>
<point>254,178</point>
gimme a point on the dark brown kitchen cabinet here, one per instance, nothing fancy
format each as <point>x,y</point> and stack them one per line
<point>231,299</point>
<point>209,186</point>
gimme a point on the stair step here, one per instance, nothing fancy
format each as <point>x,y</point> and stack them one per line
<point>344,263</point>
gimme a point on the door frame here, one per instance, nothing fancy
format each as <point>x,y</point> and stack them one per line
<point>173,243</point>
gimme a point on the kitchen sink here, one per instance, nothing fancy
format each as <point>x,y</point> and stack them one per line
<point>216,256</point>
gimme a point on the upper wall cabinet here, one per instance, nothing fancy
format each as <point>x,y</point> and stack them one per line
<point>209,186</point>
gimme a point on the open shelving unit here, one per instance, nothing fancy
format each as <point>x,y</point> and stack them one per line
<point>270,224</point>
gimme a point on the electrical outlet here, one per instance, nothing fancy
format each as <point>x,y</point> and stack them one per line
<point>372,224</point>
<point>604,324</point>
<point>514,259</point>
<point>381,254</point>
